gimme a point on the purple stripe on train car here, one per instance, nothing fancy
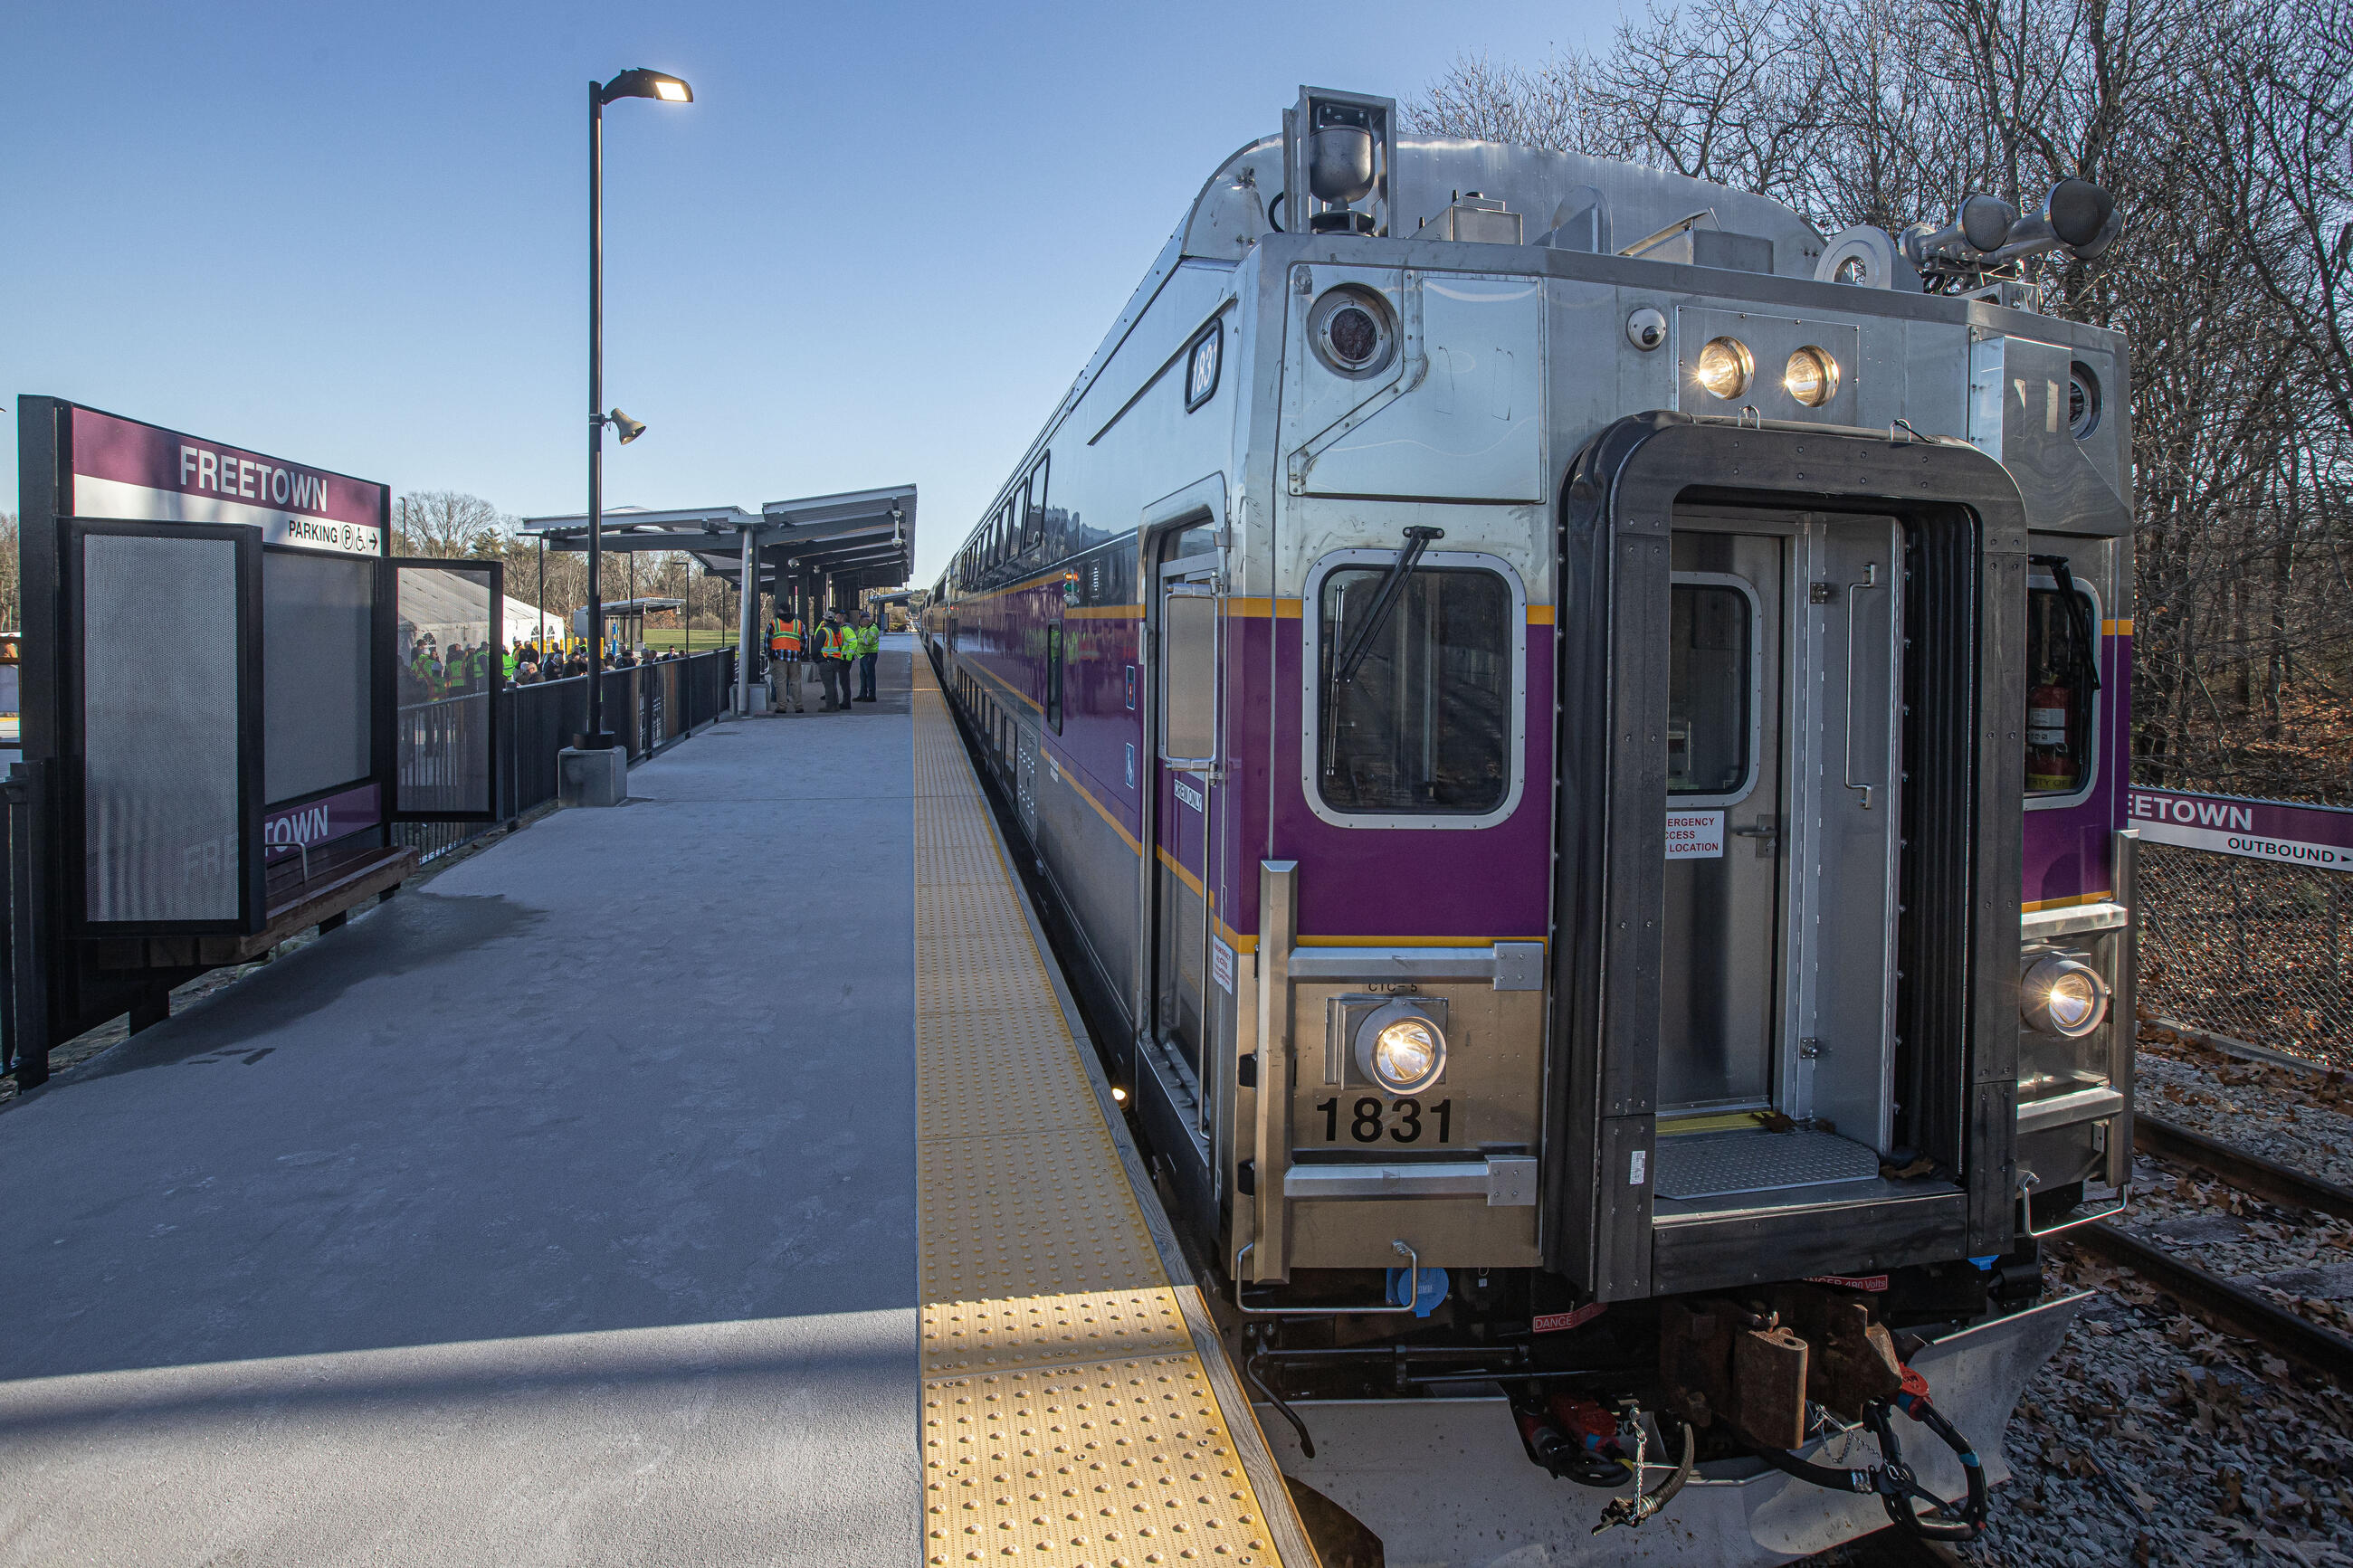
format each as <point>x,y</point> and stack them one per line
<point>2068,853</point>
<point>2235,825</point>
<point>1474,883</point>
<point>286,829</point>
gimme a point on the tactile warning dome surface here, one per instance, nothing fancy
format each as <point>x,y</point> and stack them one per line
<point>1069,1421</point>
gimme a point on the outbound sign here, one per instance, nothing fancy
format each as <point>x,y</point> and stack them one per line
<point>142,473</point>
<point>2320,836</point>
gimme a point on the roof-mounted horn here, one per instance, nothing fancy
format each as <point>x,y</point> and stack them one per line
<point>1339,149</point>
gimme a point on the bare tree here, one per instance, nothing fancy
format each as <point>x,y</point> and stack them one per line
<point>2223,129</point>
<point>445,523</point>
<point>12,608</point>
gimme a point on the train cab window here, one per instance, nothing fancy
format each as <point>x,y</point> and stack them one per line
<point>1712,668</point>
<point>2062,679</point>
<point>1423,724</point>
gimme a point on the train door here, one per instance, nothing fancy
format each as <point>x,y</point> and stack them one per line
<point>1782,739</point>
<point>1725,822</point>
<point>1185,631</point>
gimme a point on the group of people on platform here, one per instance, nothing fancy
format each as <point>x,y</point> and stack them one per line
<point>844,649</point>
<point>433,673</point>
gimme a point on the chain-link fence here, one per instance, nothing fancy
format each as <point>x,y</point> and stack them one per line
<point>2253,949</point>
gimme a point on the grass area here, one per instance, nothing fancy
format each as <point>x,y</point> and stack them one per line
<point>694,641</point>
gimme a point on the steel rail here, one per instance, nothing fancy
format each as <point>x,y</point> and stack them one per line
<point>2248,1173</point>
<point>2234,1309</point>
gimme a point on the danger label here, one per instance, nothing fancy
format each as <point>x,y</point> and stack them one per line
<point>1850,1282</point>
<point>1560,1322</point>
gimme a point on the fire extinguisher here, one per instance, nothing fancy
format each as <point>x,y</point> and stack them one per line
<point>2048,767</point>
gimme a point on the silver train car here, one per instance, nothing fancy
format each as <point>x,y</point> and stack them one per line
<point>1574,729</point>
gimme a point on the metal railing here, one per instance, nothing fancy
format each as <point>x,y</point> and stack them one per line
<point>2255,949</point>
<point>650,707</point>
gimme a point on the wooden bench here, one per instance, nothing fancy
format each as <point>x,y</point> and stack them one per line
<point>325,899</point>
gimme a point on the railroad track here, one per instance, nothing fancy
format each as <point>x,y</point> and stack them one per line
<point>2234,1309</point>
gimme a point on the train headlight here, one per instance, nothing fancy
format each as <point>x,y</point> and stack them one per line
<point>1811,377</point>
<point>1401,1048</point>
<point>1726,367</point>
<point>2064,996</point>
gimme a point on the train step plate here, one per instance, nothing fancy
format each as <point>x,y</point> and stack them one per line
<point>1719,1164</point>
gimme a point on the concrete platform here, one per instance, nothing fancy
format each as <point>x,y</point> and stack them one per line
<point>560,1211</point>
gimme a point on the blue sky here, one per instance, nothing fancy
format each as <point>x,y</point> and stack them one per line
<point>875,251</point>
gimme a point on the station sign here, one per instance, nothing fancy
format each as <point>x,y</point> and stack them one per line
<point>2281,830</point>
<point>129,471</point>
<point>291,830</point>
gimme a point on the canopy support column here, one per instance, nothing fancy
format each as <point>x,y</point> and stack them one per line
<point>747,618</point>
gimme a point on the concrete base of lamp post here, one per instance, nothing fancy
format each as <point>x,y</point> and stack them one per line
<point>592,778</point>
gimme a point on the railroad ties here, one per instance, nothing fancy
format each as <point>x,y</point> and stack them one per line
<point>2230,1306</point>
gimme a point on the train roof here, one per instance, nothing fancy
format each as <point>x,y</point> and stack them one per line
<point>1549,189</point>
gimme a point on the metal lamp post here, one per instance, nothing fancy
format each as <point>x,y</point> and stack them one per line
<point>638,83</point>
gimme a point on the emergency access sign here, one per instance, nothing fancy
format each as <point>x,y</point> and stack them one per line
<point>142,473</point>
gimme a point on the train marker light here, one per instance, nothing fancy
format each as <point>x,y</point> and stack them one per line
<point>1726,367</point>
<point>1812,376</point>
<point>1401,1048</point>
<point>1352,330</point>
<point>2061,995</point>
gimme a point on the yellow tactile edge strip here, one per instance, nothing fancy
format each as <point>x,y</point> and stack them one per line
<point>1078,1409</point>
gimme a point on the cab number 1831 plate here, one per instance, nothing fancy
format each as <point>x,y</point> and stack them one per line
<point>1403,1121</point>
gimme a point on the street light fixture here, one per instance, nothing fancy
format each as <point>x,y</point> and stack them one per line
<point>663,88</point>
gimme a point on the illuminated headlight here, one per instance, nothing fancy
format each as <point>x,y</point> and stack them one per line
<point>1399,1048</point>
<point>2063,996</point>
<point>1812,376</point>
<point>1726,367</point>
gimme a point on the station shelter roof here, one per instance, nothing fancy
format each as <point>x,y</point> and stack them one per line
<point>861,539</point>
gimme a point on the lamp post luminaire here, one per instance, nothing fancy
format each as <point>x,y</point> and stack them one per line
<point>638,83</point>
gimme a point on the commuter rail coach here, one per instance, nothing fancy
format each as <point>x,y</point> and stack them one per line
<point>1576,727</point>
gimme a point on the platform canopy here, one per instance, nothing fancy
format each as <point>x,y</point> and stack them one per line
<point>857,538</point>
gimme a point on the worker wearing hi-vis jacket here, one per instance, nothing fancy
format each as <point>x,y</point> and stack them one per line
<point>869,648</point>
<point>784,666</point>
<point>834,649</point>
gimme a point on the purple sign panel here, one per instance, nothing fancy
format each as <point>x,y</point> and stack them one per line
<point>122,468</point>
<point>2318,836</point>
<point>286,830</point>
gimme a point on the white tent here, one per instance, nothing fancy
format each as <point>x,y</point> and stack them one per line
<point>531,622</point>
<point>455,608</point>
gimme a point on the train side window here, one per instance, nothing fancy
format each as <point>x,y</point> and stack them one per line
<point>1423,724</point>
<point>1037,530</point>
<point>2061,686</point>
<point>1054,677</point>
<point>1711,670</point>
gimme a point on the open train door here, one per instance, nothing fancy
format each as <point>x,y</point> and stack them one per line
<point>1178,1019</point>
<point>1786,896</point>
<point>440,633</point>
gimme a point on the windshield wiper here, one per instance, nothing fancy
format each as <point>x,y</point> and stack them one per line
<point>1417,540</point>
<point>2086,650</point>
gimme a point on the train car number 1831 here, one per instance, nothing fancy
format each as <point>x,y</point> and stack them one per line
<point>1405,1121</point>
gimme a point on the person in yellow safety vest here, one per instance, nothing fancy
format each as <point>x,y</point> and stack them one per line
<point>784,677</point>
<point>869,648</point>
<point>834,650</point>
